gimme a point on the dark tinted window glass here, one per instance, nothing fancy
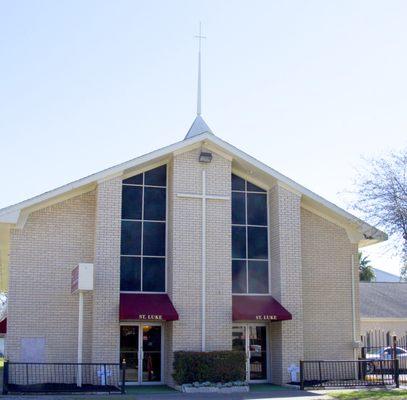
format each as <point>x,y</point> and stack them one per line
<point>238,183</point>
<point>258,277</point>
<point>156,176</point>
<point>238,242</point>
<point>239,281</point>
<point>257,242</point>
<point>131,238</point>
<point>254,188</point>
<point>154,239</point>
<point>131,202</point>
<point>238,208</point>
<point>130,268</point>
<point>153,274</point>
<point>256,209</point>
<point>134,180</point>
<point>154,203</point>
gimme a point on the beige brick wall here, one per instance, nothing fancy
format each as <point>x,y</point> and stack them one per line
<point>310,273</point>
<point>43,254</point>
<point>286,337</point>
<point>184,261</point>
<point>168,326</point>
<point>106,293</point>
<point>327,296</point>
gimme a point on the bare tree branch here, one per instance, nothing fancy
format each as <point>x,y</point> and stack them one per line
<point>382,196</point>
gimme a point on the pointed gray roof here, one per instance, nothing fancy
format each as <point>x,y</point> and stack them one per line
<point>198,127</point>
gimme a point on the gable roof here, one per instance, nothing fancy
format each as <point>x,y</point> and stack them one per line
<point>363,233</point>
<point>383,300</point>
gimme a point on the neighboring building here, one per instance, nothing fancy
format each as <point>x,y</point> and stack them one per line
<point>383,276</point>
<point>383,307</point>
<point>195,246</point>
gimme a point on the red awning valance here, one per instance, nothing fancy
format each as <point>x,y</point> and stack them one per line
<point>258,308</point>
<point>143,306</point>
<point>3,326</point>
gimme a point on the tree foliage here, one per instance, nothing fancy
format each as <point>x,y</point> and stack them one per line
<point>382,197</point>
<point>366,273</point>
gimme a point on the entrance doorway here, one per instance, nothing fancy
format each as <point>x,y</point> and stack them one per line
<point>141,347</point>
<point>252,339</point>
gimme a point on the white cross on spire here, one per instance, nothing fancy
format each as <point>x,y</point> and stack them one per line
<point>199,37</point>
<point>199,126</point>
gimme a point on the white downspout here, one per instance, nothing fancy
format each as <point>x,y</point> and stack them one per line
<point>203,249</point>
<point>354,340</point>
<point>353,300</point>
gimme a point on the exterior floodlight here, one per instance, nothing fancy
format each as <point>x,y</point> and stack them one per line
<point>205,157</point>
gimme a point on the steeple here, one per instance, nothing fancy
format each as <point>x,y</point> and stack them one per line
<point>199,125</point>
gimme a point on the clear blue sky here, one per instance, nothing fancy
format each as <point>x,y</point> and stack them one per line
<point>305,86</point>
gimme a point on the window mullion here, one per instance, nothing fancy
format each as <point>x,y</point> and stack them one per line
<point>247,242</point>
<point>142,237</point>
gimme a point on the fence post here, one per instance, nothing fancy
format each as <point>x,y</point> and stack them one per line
<point>5,377</point>
<point>124,376</point>
<point>396,372</point>
<point>320,373</point>
<point>301,375</point>
<point>394,346</point>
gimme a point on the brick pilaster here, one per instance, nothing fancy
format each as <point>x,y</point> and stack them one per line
<point>286,337</point>
<point>105,329</point>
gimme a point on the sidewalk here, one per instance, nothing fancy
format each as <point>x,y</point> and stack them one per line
<point>281,394</point>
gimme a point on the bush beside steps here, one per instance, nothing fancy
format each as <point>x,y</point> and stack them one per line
<point>215,371</point>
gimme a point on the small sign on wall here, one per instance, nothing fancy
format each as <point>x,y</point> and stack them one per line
<point>32,350</point>
<point>82,278</point>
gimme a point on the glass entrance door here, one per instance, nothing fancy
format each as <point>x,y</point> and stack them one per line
<point>129,344</point>
<point>151,353</point>
<point>140,346</point>
<point>252,339</point>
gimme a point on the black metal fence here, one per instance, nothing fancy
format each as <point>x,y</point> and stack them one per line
<point>349,374</point>
<point>380,345</point>
<point>21,377</point>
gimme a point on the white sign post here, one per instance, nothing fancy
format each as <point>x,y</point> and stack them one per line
<point>81,281</point>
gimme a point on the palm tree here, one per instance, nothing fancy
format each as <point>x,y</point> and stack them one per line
<point>366,273</point>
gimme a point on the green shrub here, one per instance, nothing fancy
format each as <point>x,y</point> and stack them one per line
<point>214,366</point>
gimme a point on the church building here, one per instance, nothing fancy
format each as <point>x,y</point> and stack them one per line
<point>196,246</point>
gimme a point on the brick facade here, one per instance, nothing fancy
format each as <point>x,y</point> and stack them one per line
<point>286,274</point>
<point>105,324</point>
<point>42,256</point>
<point>327,290</point>
<point>310,266</point>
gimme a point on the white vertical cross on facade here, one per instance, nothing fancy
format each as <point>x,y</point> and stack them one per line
<point>204,196</point>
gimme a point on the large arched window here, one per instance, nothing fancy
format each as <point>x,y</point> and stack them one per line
<point>143,234</point>
<point>249,238</point>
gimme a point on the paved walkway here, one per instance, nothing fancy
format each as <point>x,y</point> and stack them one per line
<point>282,394</point>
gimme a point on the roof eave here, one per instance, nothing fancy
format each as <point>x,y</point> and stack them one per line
<point>369,234</point>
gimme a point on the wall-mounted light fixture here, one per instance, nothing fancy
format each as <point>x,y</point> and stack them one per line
<point>205,157</point>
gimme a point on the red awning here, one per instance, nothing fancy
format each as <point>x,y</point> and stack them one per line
<point>258,308</point>
<point>143,306</point>
<point>3,326</point>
